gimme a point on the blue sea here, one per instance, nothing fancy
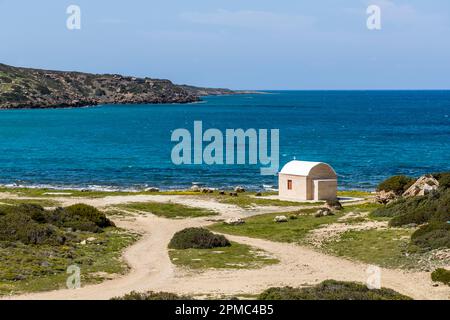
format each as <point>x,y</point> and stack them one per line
<point>365,135</point>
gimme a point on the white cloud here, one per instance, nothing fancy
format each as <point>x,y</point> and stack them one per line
<point>249,19</point>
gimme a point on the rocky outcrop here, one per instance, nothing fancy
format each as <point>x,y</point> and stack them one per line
<point>35,88</point>
<point>423,186</point>
<point>384,197</point>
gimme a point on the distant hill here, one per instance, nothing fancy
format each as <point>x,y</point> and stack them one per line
<point>35,88</point>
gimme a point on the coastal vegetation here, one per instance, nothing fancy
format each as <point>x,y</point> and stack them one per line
<point>382,247</point>
<point>37,246</point>
<point>430,212</point>
<point>294,231</point>
<point>397,184</point>
<point>199,248</point>
<point>40,202</point>
<point>250,200</point>
<point>331,290</point>
<point>441,275</point>
<point>234,256</point>
<point>197,238</point>
<point>166,210</point>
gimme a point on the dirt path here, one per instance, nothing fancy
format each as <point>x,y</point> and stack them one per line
<point>151,268</point>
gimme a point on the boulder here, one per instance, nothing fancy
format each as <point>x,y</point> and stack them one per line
<point>239,189</point>
<point>384,197</point>
<point>258,194</point>
<point>280,219</point>
<point>423,186</point>
<point>151,189</point>
<point>234,221</point>
<point>195,188</point>
<point>322,212</point>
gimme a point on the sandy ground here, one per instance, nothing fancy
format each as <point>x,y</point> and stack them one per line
<point>151,268</point>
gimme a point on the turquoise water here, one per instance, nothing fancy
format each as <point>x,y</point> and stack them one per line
<point>365,135</point>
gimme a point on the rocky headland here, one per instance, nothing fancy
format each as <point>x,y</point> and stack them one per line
<point>36,88</point>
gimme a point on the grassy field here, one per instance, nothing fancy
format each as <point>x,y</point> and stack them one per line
<point>167,210</point>
<point>31,268</point>
<point>354,193</point>
<point>41,202</point>
<point>293,231</point>
<point>236,256</point>
<point>386,247</point>
<point>248,200</point>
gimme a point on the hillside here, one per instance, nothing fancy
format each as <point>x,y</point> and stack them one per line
<point>35,88</point>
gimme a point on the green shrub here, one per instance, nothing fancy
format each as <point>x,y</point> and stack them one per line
<point>441,275</point>
<point>197,238</point>
<point>19,226</point>
<point>444,180</point>
<point>150,295</point>
<point>32,224</point>
<point>432,207</point>
<point>432,236</point>
<point>331,290</point>
<point>398,184</point>
<point>90,213</point>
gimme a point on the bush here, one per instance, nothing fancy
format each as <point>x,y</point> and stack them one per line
<point>150,295</point>
<point>432,236</point>
<point>398,184</point>
<point>89,213</point>
<point>19,226</point>
<point>419,210</point>
<point>32,224</point>
<point>197,238</point>
<point>441,275</point>
<point>444,180</point>
<point>331,290</point>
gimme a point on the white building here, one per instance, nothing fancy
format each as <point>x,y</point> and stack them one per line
<point>304,180</point>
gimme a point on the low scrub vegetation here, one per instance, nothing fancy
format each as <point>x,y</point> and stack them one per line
<point>294,231</point>
<point>32,224</point>
<point>434,235</point>
<point>443,179</point>
<point>150,295</point>
<point>383,247</point>
<point>441,275</point>
<point>331,290</point>
<point>235,256</point>
<point>422,209</point>
<point>37,246</point>
<point>431,211</point>
<point>197,238</point>
<point>167,210</point>
<point>247,201</point>
<point>397,184</point>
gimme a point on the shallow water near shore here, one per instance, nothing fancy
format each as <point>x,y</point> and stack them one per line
<point>365,135</point>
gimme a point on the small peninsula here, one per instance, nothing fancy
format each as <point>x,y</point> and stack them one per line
<point>35,88</point>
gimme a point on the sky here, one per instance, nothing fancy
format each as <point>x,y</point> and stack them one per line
<point>238,44</point>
